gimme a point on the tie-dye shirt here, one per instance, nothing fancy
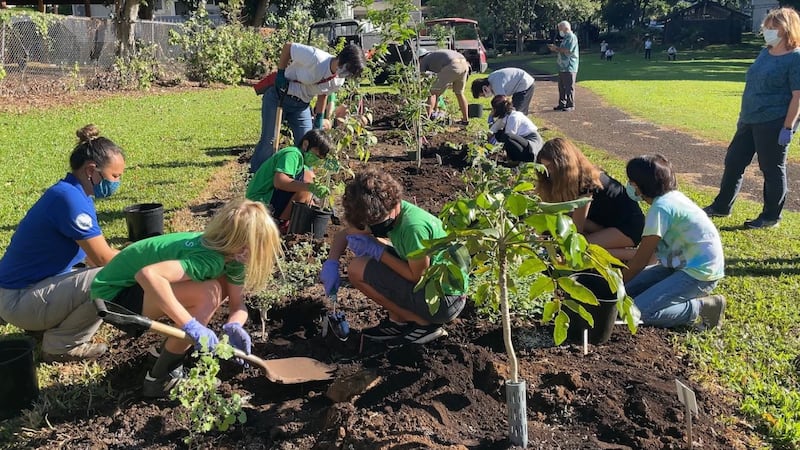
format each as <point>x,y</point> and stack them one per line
<point>689,240</point>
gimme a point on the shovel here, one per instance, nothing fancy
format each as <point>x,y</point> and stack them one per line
<point>276,141</point>
<point>283,371</point>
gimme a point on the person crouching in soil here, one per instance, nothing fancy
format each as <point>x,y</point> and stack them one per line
<point>384,230</point>
<point>611,220</point>
<point>674,291</point>
<point>518,134</point>
<point>187,276</point>
<point>287,177</point>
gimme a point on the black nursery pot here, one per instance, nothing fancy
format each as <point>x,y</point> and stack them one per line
<point>309,219</point>
<point>474,110</point>
<point>144,220</point>
<point>604,314</point>
<point>19,386</point>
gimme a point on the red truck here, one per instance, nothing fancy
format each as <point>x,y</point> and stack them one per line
<point>465,39</point>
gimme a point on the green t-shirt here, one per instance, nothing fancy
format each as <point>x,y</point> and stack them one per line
<point>288,160</point>
<point>415,226</point>
<point>199,263</point>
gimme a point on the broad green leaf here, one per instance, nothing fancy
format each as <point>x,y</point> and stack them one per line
<point>578,308</point>
<point>432,296</point>
<point>542,285</point>
<point>549,311</point>
<point>560,331</point>
<point>563,207</point>
<point>524,186</point>
<point>563,226</point>
<point>517,204</point>
<point>531,266</point>
<point>577,291</point>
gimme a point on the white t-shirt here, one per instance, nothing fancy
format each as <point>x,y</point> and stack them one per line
<point>609,52</point>
<point>509,81</point>
<point>514,123</point>
<point>603,46</point>
<point>648,44</point>
<point>308,67</point>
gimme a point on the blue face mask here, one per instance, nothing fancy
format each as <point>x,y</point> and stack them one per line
<point>631,191</point>
<point>105,188</point>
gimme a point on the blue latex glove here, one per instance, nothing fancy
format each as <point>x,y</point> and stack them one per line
<point>318,120</point>
<point>238,337</point>
<point>199,332</point>
<point>281,83</point>
<point>363,245</point>
<point>329,275</point>
<point>785,137</point>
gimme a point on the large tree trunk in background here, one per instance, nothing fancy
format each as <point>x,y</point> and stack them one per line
<point>126,14</point>
<point>261,11</point>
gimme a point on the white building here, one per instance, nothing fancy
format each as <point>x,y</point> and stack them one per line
<point>760,10</point>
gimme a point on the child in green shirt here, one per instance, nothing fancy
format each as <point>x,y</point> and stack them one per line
<point>187,276</point>
<point>374,208</point>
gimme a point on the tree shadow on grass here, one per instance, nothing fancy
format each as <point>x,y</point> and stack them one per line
<point>768,267</point>
<point>182,164</point>
<point>234,150</point>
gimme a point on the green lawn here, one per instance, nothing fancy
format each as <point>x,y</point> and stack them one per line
<point>700,93</point>
<point>173,144</point>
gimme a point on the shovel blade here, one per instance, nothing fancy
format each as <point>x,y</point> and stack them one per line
<point>297,370</point>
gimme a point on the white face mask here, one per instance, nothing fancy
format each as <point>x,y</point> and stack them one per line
<point>562,34</point>
<point>342,72</point>
<point>771,37</point>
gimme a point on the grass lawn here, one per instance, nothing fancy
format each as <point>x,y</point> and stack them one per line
<point>700,93</point>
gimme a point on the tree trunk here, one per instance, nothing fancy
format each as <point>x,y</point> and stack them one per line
<point>126,13</point>
<point>261,12</point>
<point>505,314</point>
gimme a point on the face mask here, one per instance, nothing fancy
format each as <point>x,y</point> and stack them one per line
<point>382,229</point>
<point>771,37</point>
<point>342,72</point>
<point>562,34</point>
<point>310,159</point>
<point>105,188</point>
<point>631,191</point>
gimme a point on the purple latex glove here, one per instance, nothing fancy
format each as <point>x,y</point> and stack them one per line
<point>199,333</point>
<point>238,337</point>
<point>785,136</point>
<point>363,245</point>
<point>329,275</point>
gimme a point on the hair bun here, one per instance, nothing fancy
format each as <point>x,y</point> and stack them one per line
<point>88,133</point>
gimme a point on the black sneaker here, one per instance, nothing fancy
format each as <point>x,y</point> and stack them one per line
<point>761,222</point>
<point>417,334</point>
<point>160,387</point>
<point>558,108</point>
<point>385,330</point>
<point>711,212</point>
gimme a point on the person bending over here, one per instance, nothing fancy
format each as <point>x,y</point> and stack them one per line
<point>384,230</point>
<point>187,276</point>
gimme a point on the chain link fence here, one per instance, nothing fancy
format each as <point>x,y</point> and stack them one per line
<point>71,47</point>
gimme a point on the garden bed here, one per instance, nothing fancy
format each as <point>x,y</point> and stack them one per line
<point>446,394</point>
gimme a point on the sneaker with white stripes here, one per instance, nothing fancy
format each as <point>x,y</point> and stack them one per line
<point>417,334</point>
<point>387,329</point>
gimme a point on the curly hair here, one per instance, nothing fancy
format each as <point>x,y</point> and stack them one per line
<point>369,198</point>
<point>572,176</point>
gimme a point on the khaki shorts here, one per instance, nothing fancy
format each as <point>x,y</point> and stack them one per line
<point>455,73</point>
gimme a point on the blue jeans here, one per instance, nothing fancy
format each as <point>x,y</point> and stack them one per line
<point>667,297</point>
<point>755,139</point>
<point>295,112</point>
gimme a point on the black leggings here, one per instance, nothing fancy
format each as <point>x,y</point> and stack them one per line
<point>520,148</point>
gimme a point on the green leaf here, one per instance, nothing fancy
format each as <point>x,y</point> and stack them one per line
<point>560,330</point>
<point>563,207</point>
<point>577,291</point>
<point>564,225</point>
<point>524,186</point>
<point>542,285</point>
<point>531,266</point>
<point>549,311</point>
<point>517,204</point>
<point>578,308</point>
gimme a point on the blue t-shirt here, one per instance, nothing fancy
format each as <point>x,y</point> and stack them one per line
<point>768,87</point>
<point>689,240</point>
<point>45,243</point>
<point>568,62</point>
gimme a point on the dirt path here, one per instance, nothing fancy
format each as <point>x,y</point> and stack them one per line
<point>596,123</point>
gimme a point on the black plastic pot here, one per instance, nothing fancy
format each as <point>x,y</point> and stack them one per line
<point>18,384</point>
<point>604,315</point>
<point>474,110</point>
<point>144,220</point>
<point>309,219</point>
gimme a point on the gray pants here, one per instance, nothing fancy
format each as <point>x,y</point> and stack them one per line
<point>522,100</point>
<point>760,139</point>
<point>60,306</point>
<point>566,89</point>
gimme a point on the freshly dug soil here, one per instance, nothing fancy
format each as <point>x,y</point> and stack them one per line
<point>448,394</point>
